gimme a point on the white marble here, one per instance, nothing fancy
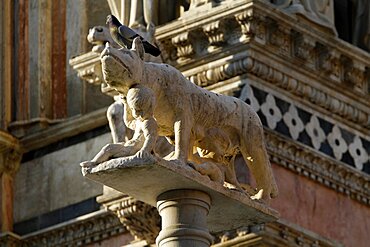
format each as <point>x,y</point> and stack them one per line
<point>337,143</point>
<point>294,122</point>
<point>271,111</point>
<point>247,94</point>
<point>359,154</point>
<point>315,131</point>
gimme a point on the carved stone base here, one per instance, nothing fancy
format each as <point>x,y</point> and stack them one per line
<point>147,179</point>
<point>140,219</point>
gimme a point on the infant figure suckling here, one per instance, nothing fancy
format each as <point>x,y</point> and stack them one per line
<point>139,106</point>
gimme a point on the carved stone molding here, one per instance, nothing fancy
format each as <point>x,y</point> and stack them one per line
<point>303,46</point>
<point>304,90</point>
<point>328,61</point>
<point>140,219</point>
<point>288,40</point>
<point>279,234</point>
<point>278,36</point>
<point>215,32</point>
<point>320,168</point>
<point>221,72</point>
<point>354,74</point>
<point>85,230</point>
<point>88,67</point>
<point>245,19</point>
<point>185,49</point>
<point>310,93</point>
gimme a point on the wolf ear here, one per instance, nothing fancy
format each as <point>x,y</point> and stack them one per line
<point>138,47</point>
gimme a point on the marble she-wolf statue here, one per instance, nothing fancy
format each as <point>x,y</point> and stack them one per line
<point>192,118</point>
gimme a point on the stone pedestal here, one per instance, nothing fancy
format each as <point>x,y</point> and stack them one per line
<point>189,203</point>
<point>184,218</point>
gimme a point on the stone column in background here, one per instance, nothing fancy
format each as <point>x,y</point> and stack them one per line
<point>9,163</point>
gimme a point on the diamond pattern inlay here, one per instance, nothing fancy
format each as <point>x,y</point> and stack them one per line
<point>308,127</point>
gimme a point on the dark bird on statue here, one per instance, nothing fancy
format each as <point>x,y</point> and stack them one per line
<point>124,36</point>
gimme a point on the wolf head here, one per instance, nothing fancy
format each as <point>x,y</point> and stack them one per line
<point>123,67</point>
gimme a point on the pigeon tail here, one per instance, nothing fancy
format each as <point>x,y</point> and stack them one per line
<point>151,49</point>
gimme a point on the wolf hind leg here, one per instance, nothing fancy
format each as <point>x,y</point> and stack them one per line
<point>256,157</point>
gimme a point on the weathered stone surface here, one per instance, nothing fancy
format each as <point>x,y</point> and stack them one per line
<point>147,179</point>
<point>55,180</point>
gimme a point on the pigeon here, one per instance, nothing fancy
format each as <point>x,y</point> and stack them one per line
<point>124,36</point>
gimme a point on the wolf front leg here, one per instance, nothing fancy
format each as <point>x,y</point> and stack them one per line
<point>182,129</point>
